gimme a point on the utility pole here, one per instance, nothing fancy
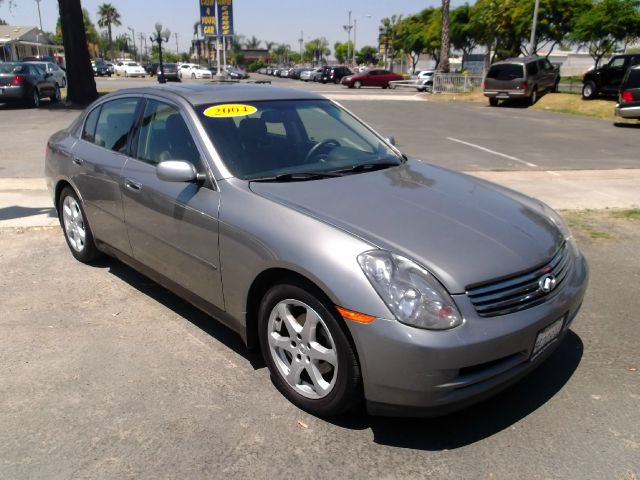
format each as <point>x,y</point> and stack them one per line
<point>39,14</point>
<point>301,41</point>
<point>348,28</point>
<point>141,50</point>
<point>133,42</point>
<point>175,34</point>
<point>532,42</point>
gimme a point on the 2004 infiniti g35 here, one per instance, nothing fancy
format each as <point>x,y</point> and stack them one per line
<point>357,271</point>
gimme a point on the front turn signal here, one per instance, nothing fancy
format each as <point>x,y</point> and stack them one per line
<point>355,316</point>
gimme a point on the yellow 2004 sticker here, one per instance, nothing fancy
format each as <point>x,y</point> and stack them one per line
<point>230,110</point>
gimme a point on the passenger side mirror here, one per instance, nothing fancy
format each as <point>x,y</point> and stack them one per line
<point>178,171</point>
<point>391,140</point>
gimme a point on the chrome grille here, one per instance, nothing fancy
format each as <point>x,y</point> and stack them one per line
<point>521,291</point>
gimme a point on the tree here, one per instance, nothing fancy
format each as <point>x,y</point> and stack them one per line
<point>253,43</point>
<point>316,51</point>
<point>607,24</point>
<point>93,39</point>
<point>108,17</point>
<point>387,30</point>
<point>367,55</point>
<point>411,38</point>
<point>462,33</point>
<point>341,50</point>
<point>444,48</point>
<point>269,45</point>
<point>2,22</point>
<point>81,86</point>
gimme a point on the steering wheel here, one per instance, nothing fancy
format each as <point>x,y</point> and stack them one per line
<point>318,146</point>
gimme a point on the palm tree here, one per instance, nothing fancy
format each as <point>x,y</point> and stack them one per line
<point>253,43</point>
<point>269,45</point>
<point>387,30</point>
<point>444,49</point>
<point>108,16</point>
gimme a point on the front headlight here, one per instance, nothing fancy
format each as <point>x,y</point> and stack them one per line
<point>412,294</point>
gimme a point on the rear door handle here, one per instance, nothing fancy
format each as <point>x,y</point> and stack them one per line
<point>132,184</point>
<point>77,161</point>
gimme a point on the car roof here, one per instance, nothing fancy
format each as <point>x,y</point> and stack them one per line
<point>519,60</point>
<point>199,94</point>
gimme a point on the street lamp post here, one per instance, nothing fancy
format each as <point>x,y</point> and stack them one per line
<point>133,42</point>
<point>39,18</point>
<point>355,24</point>
<point>161,36</point>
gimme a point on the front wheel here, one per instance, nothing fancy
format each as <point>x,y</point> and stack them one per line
<point>193,76</point>
<point>76,228</point>
<point>309,356</point>
<point>357,84</point>
<point>589,91</point>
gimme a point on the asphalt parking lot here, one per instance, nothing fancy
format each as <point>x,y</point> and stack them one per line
<point>104,374</point>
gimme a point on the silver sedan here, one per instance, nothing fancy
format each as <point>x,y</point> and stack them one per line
<point>359,273</point>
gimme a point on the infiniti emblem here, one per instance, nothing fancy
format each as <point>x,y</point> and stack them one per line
<point>547,283</point>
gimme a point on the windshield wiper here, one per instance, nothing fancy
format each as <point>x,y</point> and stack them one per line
<point>368,167</point>
<point>296,177</point>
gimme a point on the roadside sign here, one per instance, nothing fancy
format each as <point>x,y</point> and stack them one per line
<point>208,17</point>
<point>225,13</point>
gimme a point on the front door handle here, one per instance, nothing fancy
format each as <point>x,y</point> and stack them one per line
<point>132,184</point>
<point>77,161</point>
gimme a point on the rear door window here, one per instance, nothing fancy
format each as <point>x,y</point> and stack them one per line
<point>506,71</point>
<point>89,130</point>
<point>617,62</point>
<point>532,68</point>
<point>115,124</point>
<point>633,80</point>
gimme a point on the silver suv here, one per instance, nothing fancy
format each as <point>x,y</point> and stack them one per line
<point>520,78</point>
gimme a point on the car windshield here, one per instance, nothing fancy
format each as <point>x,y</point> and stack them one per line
<point>506,71</point>
<point>12,68</point>
<point>289,137</point>
<point>132,64</point>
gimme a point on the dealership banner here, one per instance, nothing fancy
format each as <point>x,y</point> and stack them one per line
<point>208,17</point>
<point>225,14</point>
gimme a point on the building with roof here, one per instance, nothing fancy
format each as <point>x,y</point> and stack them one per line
<point>21,42</point>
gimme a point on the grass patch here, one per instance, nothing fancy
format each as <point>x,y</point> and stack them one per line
<point>596,234</point>
<point>475,96</point>
<point>631,214</point>
<point>574,104</point>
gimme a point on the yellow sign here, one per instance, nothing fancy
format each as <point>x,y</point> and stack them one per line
<point>230,110</point>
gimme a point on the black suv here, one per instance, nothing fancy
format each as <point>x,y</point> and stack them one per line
<point>607,79</point>
<point>334,74</point>
<point>629,99</point>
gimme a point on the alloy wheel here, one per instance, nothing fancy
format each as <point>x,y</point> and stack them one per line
<point>302,348</point>
<point>74,227</point>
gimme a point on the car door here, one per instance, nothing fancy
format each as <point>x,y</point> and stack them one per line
<point>614,72</point>
<point>43,80</point>
<point>173,226</point>
<point>98,159</point>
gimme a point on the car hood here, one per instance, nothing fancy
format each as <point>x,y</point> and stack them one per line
<point>464,230</point>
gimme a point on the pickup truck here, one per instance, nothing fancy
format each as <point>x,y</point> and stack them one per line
<point>606,79</point>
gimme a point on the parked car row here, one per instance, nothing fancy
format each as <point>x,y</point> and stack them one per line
<point>337,74</point>
<point>129,69</point>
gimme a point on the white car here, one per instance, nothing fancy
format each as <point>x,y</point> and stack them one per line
<point>57,73</point>
<point>192,70</point>
<point>130,69</point>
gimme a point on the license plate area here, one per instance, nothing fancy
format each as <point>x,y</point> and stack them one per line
<point>502,95</point>
<point>547,336</point>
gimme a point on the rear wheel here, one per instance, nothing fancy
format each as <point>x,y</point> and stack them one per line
<point>589,90</point>
<point>34,101</point>
<point>534,95</point>
<point>357,84</point>
<point>309,356</point>
<point>56,95</point>
<point>493,101</point>
<point>76,229</point>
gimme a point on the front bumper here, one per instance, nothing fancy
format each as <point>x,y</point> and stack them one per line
<point>627,112</point>
<point>412,372</point>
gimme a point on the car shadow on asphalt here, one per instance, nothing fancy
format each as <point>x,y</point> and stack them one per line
<point>181,307</point>
<point>482,420</point>
<point>627,125</point>
<point>16,211</point>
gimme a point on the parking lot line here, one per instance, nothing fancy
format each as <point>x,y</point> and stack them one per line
<point>484,149</point>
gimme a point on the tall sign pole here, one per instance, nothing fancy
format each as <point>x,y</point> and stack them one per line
<point>215,9</point>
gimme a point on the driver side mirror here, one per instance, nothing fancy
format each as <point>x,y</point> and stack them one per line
<point>391,140</point>
<point>178,171</point>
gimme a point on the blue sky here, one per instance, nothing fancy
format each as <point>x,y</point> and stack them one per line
<point>276,20</point>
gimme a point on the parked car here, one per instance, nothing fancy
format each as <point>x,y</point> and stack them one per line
<point>334,74</point>
<point>606,79</point>
<point>112,68</point>
<point>310,74</point>
<point>57,73</point>
<point>629,99</point>
<point>237,73</point>
<point>425,79</point>
<point>130,69</point>
<point>522,78</point>
<point>193,70</point>
<point>372,78</point>
<point>100,68</point>
<point>423,290</point>
<point>170,71</point>
<point>27,83</point>
<point>151,68</point>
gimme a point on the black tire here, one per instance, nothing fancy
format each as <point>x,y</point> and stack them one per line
<point>347,389</point>
<point>534,95</point>
<point>589,90</point>
<point>555,86</point>
<point>34,100</point>
<point>89,253</point>
<point>56,97</point>
<point>357,84</point>
<point>493,101</point>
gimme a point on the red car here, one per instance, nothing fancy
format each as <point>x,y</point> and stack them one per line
<point>372,78</point>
